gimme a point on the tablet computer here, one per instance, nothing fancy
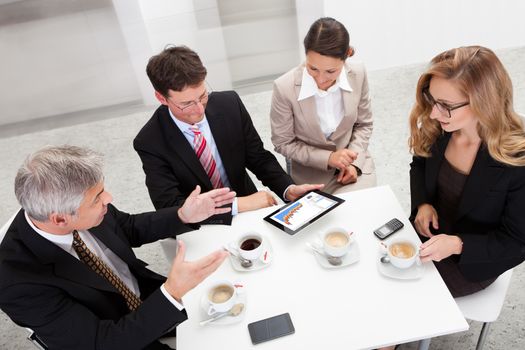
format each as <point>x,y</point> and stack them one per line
<point>295,216</point>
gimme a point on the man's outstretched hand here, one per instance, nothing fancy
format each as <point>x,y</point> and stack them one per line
<point>200,206</point>
<point>186,275</point>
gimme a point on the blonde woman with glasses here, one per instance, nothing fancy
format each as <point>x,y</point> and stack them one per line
<point>467,177</point>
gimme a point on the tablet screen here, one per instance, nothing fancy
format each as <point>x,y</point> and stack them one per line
<point>296,215</point>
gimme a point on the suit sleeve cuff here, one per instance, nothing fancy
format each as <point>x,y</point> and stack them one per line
<point>359,171</point>
<point>359,162</point>
<point>172,300</point>
<point>285,199</point>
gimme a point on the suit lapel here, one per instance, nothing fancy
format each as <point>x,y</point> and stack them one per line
<point>65,265</point>
<point>223,138</point>
<point>179,145</point>
<point>114,243</point>
<point>68,267</point>
<point>434,163</point>
<point>485,172</point>
<point>348,106</point>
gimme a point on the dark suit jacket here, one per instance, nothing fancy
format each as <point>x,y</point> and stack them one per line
<point>491,213</point>
<point>173,170</point>
<point>68,305</point>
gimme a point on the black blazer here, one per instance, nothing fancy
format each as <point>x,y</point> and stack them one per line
<point>491,213</point>
<point>173,170</point>
<point>68,305</point>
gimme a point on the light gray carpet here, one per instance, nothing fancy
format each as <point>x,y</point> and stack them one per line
<point>392,93</point>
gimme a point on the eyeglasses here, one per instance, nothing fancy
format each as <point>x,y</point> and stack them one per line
<point>443,108</point>
<point>190,104</point>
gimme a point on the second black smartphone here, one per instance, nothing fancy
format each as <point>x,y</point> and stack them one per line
<point>271,328</point>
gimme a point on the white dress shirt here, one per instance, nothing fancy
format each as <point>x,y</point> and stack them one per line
<point>114,262</point>
<point>329,103</point>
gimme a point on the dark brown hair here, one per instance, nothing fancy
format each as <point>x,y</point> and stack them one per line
<point>175,68</point>
<point>328,37</point>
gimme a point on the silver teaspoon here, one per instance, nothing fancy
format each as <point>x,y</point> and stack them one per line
<point>332,260</point>
<point>244,262</point>
<point>234,311</point>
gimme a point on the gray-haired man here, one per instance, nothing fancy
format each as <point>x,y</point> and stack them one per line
<point>67,269</point>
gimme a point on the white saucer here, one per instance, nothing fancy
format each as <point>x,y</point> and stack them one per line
<point>351,257</point>
<point>264,260</point>
<point>413,272</point>
<point>241,298</point>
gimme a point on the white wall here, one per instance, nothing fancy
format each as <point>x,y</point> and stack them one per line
<point>393,33</point>
<point>131,21</point>
<point>260,37</point>
<point>77,60</point>
<point>194,23</point>
<point>62,63</point>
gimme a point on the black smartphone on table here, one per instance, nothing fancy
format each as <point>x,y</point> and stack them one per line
<point>389,228</point>
<point>271,328</point>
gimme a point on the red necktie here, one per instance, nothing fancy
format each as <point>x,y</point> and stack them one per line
<point>205,156</point>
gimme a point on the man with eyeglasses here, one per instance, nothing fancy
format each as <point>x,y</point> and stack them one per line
<point>198,137</point>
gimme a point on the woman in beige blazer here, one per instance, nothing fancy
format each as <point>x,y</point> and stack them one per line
<point>321,116</point>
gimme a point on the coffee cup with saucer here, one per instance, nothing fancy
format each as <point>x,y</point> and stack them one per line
<point>336,248</point>
<point>336,241</point>
<point>219,297</point>
<point>250,246</point>
<point>400,259</point>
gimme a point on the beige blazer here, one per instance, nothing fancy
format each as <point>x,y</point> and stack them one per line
<point>297,135</point>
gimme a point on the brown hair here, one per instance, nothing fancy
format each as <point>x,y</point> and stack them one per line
<point>328,37</point>
<point>175,68</point>
<point>477,73</point>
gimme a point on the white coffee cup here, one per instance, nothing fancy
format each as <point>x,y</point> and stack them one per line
<point>336,241</point>
<point>402,253</point>
<point>250,245</point>
<point>221,296</point>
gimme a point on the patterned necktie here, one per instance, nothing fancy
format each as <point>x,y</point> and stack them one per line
<point>205,156</point>
<point>97,265</point>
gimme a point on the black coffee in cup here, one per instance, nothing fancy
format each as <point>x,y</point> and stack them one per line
<point>250,244</point>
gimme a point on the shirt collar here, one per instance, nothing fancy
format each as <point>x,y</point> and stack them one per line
<point>309,86</point>
<point>63,241</point>
<point>343,80</point>
<point>185,127</point>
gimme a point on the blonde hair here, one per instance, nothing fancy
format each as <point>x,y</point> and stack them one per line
<point>478,73</point>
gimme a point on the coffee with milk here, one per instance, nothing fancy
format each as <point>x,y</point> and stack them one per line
<point>403,250</point>
<point>336,239</point>
<point>220,294</point>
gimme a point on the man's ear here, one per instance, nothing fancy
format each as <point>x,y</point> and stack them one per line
<point>161,98</point>
<point>60,220</point>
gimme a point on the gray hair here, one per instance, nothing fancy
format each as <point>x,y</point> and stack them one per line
<point>54,179</point>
